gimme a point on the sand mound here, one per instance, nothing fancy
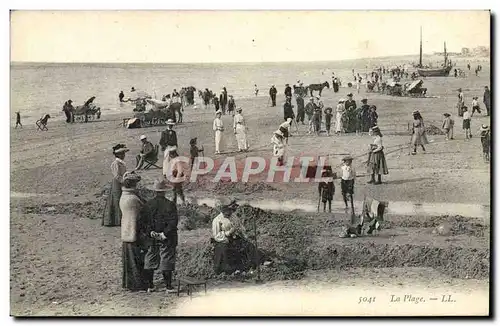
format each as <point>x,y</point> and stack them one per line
<point>228,188</point>
<point>286,243</point>
<point>433,130</point>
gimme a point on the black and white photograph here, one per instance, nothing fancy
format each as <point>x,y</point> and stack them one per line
<point>168,163</point>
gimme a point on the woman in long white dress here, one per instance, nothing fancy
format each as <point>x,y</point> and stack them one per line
<point>240,130</point>
<point>339,113</point>
<point>218,128</point>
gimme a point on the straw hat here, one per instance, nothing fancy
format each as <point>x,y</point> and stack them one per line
<point>171,149</point>
<point>347,158</point>
<point>375,128</point>
<point>131,175</point>
<point>193,140</point>
<point>239,109</point>
<point>223,202</point>
<point>485,128</point>
<point>159,186</point>
<point>170,122</point>
<point>341,100</point>
<point>218,112</point>
<point>447,115</point>
<point>143,137</point>
<point>120,148</point>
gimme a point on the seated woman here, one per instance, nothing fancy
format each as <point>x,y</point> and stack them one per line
<point>224,236</point>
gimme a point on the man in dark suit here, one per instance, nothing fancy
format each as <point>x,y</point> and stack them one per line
<point>272,93</point>
<point>169,136</point>
<point>288,91</point>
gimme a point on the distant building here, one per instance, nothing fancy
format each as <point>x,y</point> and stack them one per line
<point>465,51</point>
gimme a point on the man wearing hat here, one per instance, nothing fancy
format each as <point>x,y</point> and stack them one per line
<point>364,116</point>
<point>231,105</point>
<point>448,126</point>
<point>288,91</point>
<point>486,100</point>
<point>350,114</point>
<point>288,109</point>
<point>218,127</point>
<point>272,93</point>
<point>160,225</point>
<point>485,142</point>
<point>223,234</point>
<point>146,153</point>
<point>300,108</point>
<point>310,107</point>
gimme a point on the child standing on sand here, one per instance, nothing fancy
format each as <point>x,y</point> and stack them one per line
<point>448,126</point>
<point>326,189</point>
<point>328,120</point>
<point>475,106</point>
<point>347,181</point>
<point>194,151</point>
<point>466,122</point>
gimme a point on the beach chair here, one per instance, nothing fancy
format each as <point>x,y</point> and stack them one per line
<point>149,163</point>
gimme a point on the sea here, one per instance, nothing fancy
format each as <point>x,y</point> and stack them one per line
<point>42,88</point>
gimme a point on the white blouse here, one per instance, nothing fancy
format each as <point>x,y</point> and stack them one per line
<point>378,142</point>
<point>238,120</point>
<point>218,125</point>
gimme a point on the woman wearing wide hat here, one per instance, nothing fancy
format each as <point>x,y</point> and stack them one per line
<point>112,213</point>
<point>131,227</point>
<point>419,137</point>
<point>278,141</point>
<point>376,159</point>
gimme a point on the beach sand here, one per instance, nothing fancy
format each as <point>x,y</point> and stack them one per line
<point>64,264</point>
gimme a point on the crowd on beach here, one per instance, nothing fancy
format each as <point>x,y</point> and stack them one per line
<point>149,227</point>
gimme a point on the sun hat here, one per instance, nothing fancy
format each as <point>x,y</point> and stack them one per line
<point>131,175</point>
<point>364,100</point>
<point>447,114</point>
<point>170,122</point>
<point>349,95</point>
<point>192,140</point>
<point>485,128</point>
<point>143,137</point>
<point>347,158</point>
<point>120,148</point>
<point>171,149</point>
<point>218,112</point>
<point>415,112</point>
<point>375,128</point>
<point>159,186</point>
<point>341,100</point>
<point>239,109</point>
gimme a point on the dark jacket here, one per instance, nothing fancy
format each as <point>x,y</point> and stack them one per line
<point>160,215</point>
<point>288,110</point>
<point>288,91</point>
<point>168,138</point>
<point>273,91</point>
<point>300,103</point>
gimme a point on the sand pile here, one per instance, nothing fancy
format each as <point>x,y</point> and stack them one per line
<point>457,224</point>
<point>289,245</point>
<point>228,188</point>
<point>433,130</point>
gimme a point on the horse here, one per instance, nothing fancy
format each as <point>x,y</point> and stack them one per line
<point>317,87</point>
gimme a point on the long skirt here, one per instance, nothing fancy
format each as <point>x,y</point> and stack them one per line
<point>112,213</point>
<point>227,257</point>
<point>166,162</point>
<point>133,267</point>
<point>241,137</point>
<point>419,137</point>
<point>161,255</point>
<point>377,163</point>
<point>338,126</point>
<point>218,141</point>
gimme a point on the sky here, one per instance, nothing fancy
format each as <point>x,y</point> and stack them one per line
<point>238,36</point>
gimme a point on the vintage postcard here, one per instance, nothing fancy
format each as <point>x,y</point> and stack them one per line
<point>250,163</point>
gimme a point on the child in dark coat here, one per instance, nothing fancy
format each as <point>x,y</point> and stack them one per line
<point>327,189</point>
<point>328,120</point>
<point>193,151</point>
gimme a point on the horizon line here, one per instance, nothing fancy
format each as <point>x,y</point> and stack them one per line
<point>218,62</point>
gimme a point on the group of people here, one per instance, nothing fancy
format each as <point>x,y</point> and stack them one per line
<point>240,129</point>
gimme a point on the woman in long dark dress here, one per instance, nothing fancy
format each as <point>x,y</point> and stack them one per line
<point>132,254</point>
<point>112,214</point>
